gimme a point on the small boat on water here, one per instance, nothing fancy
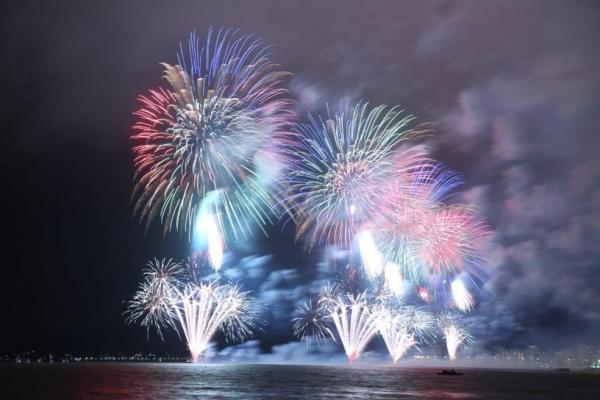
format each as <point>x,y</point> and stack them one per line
<point>449,372</point>
<point>563,369</point>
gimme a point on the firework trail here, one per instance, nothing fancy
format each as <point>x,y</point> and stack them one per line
<point>196,309</point>
<point>344,168</point>
<point>212,132</point>
<point>454,334</point>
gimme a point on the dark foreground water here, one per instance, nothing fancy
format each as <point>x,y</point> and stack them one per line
<point>188,381</point>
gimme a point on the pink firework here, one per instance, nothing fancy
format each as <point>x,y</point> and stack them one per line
<point>449,239</point>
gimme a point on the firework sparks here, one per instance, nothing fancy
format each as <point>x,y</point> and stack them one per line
<point>310,322</point>
<point>354,324</point>
<point>207,132</point>
<point>393,279</point>
<point>409,207</point>
<point>150,304</point>
<point>344,168</point>
<point>404,328</point>
<point>431,242</point>
<point>200,310</point>
<point>396,337</point>
<point>454,334</point>
<point>207,235</point>
<point>162,274</point>
<point>449,240</point>
<point>462,298</point>
<point>424,294</point>
<point>455,337</point>
<point>204,309</point>
<point>372,260</point>
<point>151,308</point>
<point>329,296</point>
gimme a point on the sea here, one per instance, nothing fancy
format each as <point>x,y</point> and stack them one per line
<point>237,381</point>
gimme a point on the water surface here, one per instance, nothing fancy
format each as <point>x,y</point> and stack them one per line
<point>193,381</point>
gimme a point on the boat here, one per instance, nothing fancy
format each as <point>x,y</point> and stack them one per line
<point>449,372</point>
<point>563,369</point>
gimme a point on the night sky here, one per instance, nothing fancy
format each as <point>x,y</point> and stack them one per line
<point>512,87</point>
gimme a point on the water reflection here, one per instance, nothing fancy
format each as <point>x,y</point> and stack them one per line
<point>193,381</point>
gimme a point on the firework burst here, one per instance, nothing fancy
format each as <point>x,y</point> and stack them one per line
<point>197,310</point>
<point>449,240</point>
<point>432,243</point>
<point>344,169</point>
<point>150,305</point>
<point>211,131</point>
<point>409,209</point>
<point>310,322</point>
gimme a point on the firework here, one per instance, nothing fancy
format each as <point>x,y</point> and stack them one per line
<point>354,323</point>
<point>197,310</point>
<point>151,308</point>
<point>455,337</point>
<point>404,328</point>
<point>211,132</point>
<point>310,322</point>
<point>204,309</point>
<point>410,210</point>
<point>437,245</point>
<point>150,304</point>
<point>344,169</point>
<point>371,258</point>
<point>454,334</point>
<point>330,295</point>
<point>163,274</point>
<point>393,279</point>
<point>430,242</point>
<point>462,298</point>
<point>449,241</point>
<point>395,335</point>
<point>207,235</point>
<point>418,322</point>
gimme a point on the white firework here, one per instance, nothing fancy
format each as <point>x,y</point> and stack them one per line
<point>396,336</point>
<point>354,323</point>
<point>197,310</point>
